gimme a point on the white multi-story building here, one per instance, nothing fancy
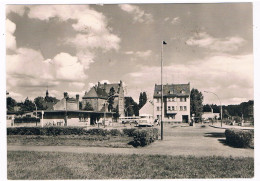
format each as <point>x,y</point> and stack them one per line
<point>176,102</point>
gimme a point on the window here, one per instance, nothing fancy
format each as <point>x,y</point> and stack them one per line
<point>173,108</point>
<point>181,108</point>
<point>158,116</point>
<point>184,99</point>
<point>185,108</point>
<point>174,99</point>
<point>157,100</point>
<point>158,108</point>
<point>169,108</point>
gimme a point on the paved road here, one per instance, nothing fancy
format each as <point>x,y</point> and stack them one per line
<point>195,141</point>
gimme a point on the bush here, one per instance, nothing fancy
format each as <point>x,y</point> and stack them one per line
<point>129,132</point>
<point>240,138</point>
<point>27,120</point>
<point>114,132</point>
<point>145,137</point>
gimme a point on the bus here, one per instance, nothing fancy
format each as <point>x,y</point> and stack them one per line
<point>146,120</point>
<point>130,120</point>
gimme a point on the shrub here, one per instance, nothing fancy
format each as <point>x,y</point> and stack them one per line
<point>129,132</point>
<point>145,137</point>
<point>97,131</point>
<point>27,120</point>
<point>240,138</point>
<point>114,132</point>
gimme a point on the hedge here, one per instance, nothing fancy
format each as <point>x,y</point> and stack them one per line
<point>240,138</point>
<point>141,137</point>
<point>27,120</point>
<point>145,137</point>
<point>54,131</point>
<point>129,132</point>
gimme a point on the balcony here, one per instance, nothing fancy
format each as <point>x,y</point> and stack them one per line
<point>171,111</point>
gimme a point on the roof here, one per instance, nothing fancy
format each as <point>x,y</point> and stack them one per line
<point>172,90</point>
<point>147,108</point>
<point>102,90</point>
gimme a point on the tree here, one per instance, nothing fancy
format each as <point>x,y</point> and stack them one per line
<point>27,106</point>
<point>10,103</point>
<point>142,99</point>
<point>131,107</point>
<point>196,106</point>
<point>88,107</point>
<point>111,98</point>
<point>39,101</point>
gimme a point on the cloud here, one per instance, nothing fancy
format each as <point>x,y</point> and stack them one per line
<point>10,38</point>
<point>68,67</point>
<point>139,15</point>
<point>27,71</point>
<point>92,30</point>
<point>140,54</point>
<point>230,77</point>
<point>176,20</point>
<point>18,9</point>
<point>129,52</point>
<point>166,19</point>
<point>204,40</point>
<point>144,54</point>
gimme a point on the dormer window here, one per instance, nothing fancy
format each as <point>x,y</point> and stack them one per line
<point>171,92</point>
<point>158,92</point>
<point>182,91</point>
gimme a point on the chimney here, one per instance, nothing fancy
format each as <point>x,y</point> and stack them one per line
<point>105,84</point>
<point>65,95</point>
<point>77,97</point>
<point>98,84</point>
<point>120,83</point>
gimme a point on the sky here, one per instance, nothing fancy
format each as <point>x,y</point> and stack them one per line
<point>69,48</point>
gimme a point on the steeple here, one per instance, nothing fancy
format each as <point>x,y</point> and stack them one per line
<point>47,92</point>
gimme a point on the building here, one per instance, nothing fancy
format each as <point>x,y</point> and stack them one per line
<point>210,115</point>
<point>176,102</point>
<point>67,103</point>
<point>147,108</point>
<point>98,96</point>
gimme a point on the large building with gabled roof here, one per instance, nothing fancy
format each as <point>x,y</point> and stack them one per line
<point>98,95</point>
<point>176,102</point>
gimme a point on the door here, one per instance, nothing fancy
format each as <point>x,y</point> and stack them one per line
<point>185,118</point>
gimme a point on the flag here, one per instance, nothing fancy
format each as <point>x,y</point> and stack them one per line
<point>164,43</point>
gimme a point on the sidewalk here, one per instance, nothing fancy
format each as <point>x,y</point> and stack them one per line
<point>224,126</point>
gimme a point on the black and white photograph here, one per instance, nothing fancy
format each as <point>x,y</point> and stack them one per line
<point>129,91</point>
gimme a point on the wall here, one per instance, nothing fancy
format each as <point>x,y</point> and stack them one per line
<point>177,112</point>
<point>72,105</point>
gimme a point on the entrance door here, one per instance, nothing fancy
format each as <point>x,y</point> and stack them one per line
<point>185,118</point>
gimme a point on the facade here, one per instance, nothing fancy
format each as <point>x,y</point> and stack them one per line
<point>210,115</point>
<point>67,103</point>
<point>98,95</point>
<point>176,102</point>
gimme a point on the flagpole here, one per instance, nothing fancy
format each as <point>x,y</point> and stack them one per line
<point>162,91</point>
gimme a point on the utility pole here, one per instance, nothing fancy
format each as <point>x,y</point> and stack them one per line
<point>163,43</point>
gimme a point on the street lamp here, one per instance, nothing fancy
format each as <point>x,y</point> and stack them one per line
<point>220,104</point>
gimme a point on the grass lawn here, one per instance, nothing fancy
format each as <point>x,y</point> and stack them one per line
<point>53,165</point>
<point>70,140</point>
